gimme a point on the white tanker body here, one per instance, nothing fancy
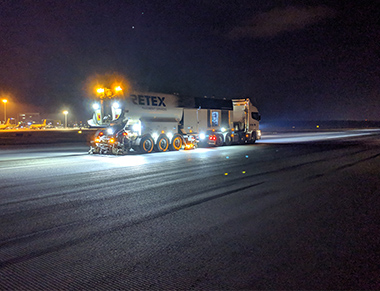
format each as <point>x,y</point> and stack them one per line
<point>153,121</point>
<point>144,122</point>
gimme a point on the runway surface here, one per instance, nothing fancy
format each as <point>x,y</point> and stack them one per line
<point>294,211</point>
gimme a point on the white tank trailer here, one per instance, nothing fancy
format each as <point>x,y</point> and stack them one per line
<point>146,122</point>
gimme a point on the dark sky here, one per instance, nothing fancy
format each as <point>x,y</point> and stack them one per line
<point>298,59</point>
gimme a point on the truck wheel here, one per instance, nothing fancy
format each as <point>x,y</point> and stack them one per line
<point>219,140</point>
<point>162,144</point>
<point>253,138</point>
<point>228,139</point>
<point>146,145</point>
<point>176,143</point>
<point>241,138</point>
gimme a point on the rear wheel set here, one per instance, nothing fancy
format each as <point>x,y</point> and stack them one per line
<point>162,143</point>
<point>176,143</point>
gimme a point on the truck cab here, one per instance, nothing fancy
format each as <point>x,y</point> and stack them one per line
<point>234,124</point>
<point>245,122</point>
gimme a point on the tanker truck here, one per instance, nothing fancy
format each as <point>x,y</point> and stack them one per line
<point>145,122</point>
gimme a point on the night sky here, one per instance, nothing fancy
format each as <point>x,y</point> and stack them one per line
<point>298,60</point>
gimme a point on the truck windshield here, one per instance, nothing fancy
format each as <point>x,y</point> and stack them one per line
<point>255,115</point>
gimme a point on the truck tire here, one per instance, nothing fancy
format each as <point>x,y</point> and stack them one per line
<point>228,139</point>
<point>146,144</point>
<point>176,143</point>
<point>253,138</point>
<point>241,136</point>
<point>219,140</point>
<point>162,144</point>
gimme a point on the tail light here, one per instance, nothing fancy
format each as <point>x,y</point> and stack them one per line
<point>125,133</point>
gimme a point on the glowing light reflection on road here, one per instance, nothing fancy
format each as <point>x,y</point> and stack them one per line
<point>122,161</point>
<point>308,137</point>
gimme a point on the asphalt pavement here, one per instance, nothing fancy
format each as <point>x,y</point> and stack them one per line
<point>289,212</point>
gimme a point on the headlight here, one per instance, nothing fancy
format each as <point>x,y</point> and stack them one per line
<point>136,127</point>
<point>110,131</point>
<point>202,136</point>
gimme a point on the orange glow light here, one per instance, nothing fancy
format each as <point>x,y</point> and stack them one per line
<point>189,146</point>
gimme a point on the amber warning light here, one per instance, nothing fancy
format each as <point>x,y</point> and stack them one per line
<point>189,146</point>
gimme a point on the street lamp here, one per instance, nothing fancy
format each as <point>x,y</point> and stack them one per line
<point>65,113</point>
<point>5,109</point>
